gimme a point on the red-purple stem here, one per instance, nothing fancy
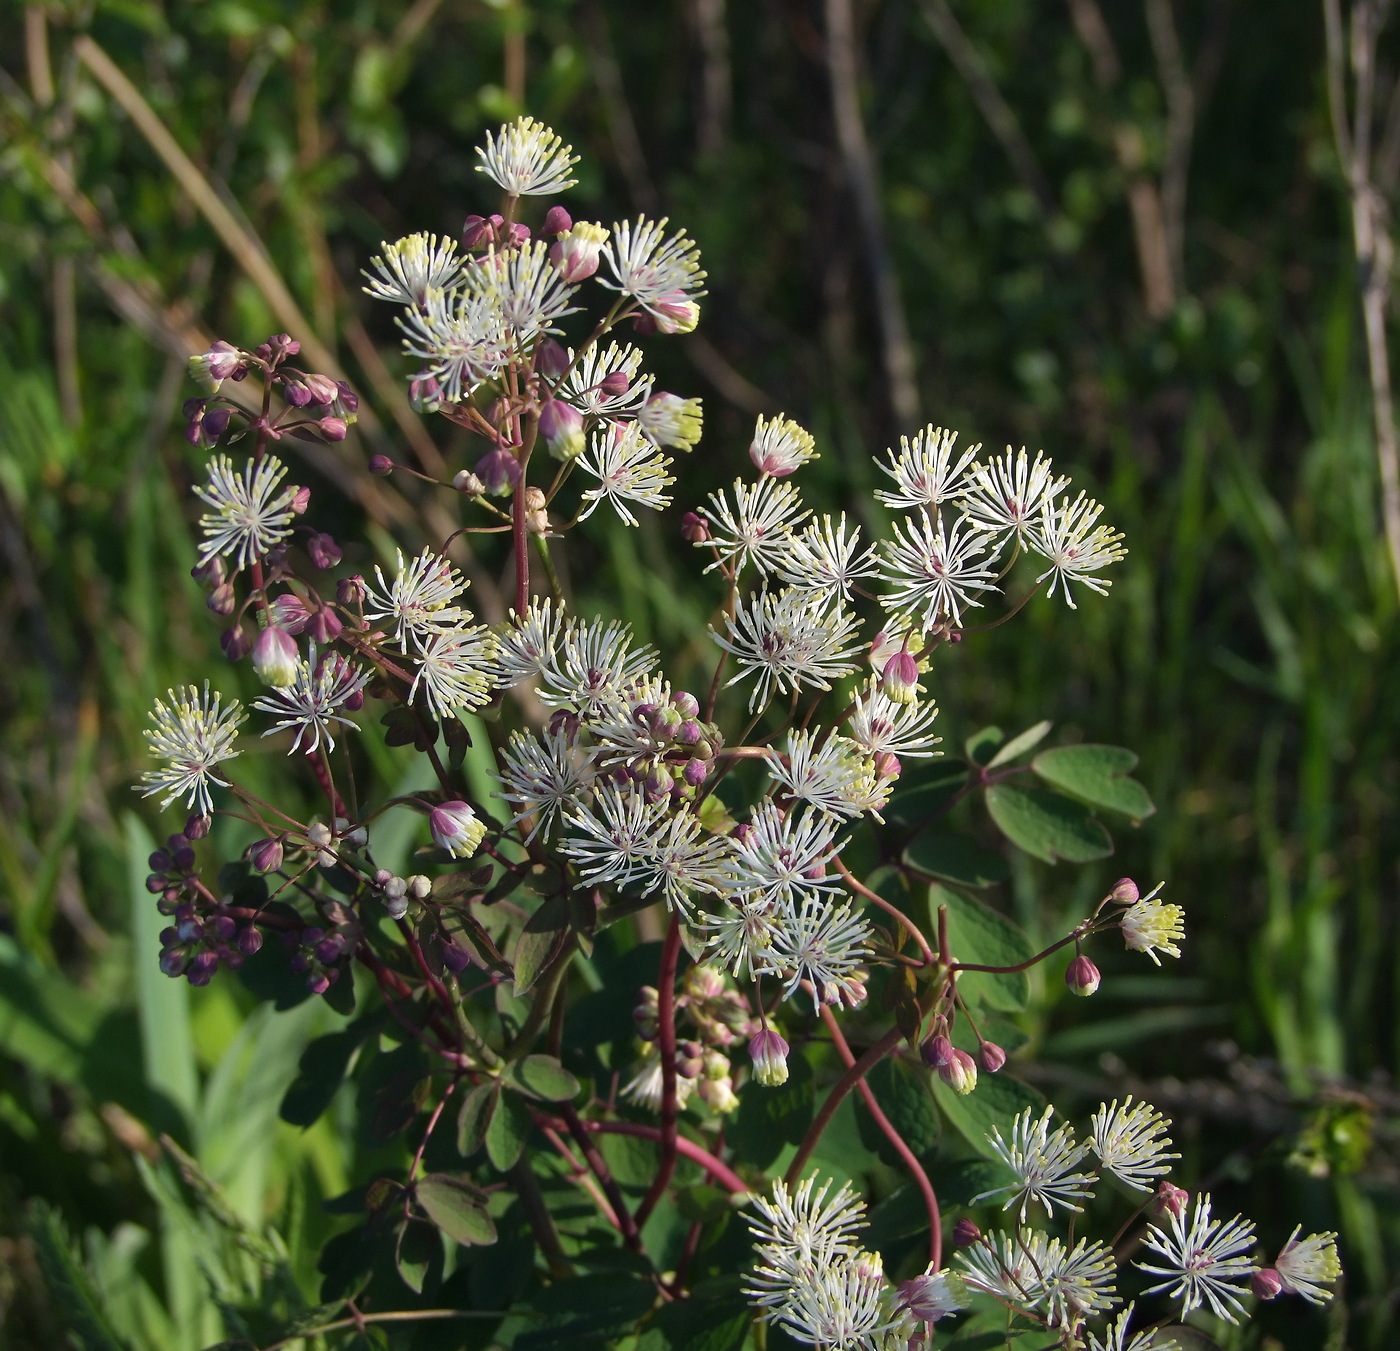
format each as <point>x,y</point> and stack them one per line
<point>666,1044</point>
<point>721,1172</point>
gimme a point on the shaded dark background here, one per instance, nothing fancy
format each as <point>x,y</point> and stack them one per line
<point>1122,235</point>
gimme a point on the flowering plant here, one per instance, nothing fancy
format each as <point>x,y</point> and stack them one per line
<point>814,896</point>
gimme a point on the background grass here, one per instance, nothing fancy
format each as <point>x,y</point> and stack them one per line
<point>1248,650</point>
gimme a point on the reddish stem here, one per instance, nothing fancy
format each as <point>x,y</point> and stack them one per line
<point>599,1165</point>
<point>843,1086</point>
<point>721,1172</point>
<point>911,1161</point>
<point>666,1044</point>
<point>894,911</point>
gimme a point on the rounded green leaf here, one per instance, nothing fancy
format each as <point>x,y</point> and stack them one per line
<point>985,937</point>
<point>542,1077</point>
<point>1047,825</point>
<point>474,1117</point>
<point>1097,775</point>
<point>506,1131</point>
<point>457,1208</point>
<point>995,1102</point>
<point>957,858</point>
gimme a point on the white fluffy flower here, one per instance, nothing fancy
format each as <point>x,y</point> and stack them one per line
<point>580,387</point>
<point>1044,1162</point>
<point>882,725</point>
<point>1008,493</point>
<point>310,702</point>
<point>413,267</point>
<point>822,941</point>
<point>739,935</point>
<point>527,643</point>
<point>1150,926</point>
<point>758,528</point>
<point>455,670</point>
<point>1077,547</point>
<point>1204,1260</point>
<point>781,857</point>
<point>780,446</point>
<point>460,336</point>
<point>1131,1142</point>
<point>612,840</point>
<point>1309,1266</point>
<point>525,288</point>
<point>527,159</point>
<point>936,572</point>
<point>629,467</point>
<point>924,470</point>
<point>420,599</point>
<point>192,733</point>
<point>826,557</point>
<point>542,777</point>
<point>1116,1337</point>
<point>250,515</point>
<point>651,268</point>
<point>830,772</point>
<point>591,663</point>
<point>789,640</point>
<point>798,1230</point>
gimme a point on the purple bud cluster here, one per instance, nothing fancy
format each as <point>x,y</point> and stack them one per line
<point>669,751</point>
<point>198,943</point>
<point>319,954</point>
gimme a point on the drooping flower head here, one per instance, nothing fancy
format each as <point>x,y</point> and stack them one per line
<point>527,159</point>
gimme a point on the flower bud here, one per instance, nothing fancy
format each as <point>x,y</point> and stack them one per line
<point>222,600</point>
<point>644,1016</point>
<point>557,222</point>
<point>275,657</point>
<point>694,528</point>
<point>397,906</point>
<point>966,1233</point>
<point>323,551</point>
<point>932,1295</point>
<point>480,231</point>
<point>900,678</point>
<point>615,384</point>
<point>670,420</point>
<point>289,612</point>
<point>455,959</point>
<point>466,482</point>
<point>424,394</point>
<point>1170,1199</point>
<point>381,466</point>
<point>719,1095</point>
<point>499,472</point>
<point>420,887</point>
<point>250,940</point>
<point>202,968</point>
<point>690,1059</point>
<point>990,1057</point>
<point>675,312</point>
<point>551,358</point>
<point>350,590</point>
<point>318,835</point>
<point>576,253</point>
<point>221,362</point>
<point>561,425</point>
<point>266,856</point>
<point>1266,1284</point>
<point>703,982</point>
<point>197,826</point>
<point>960,1073</point>
<point>769,1052</point>
<point>325,626</point>
<point>887,765</point>
<point>1082,976</point>
<point>455,828</point>
<point>937,1051</point>
<point>515,235</point>
<point>235,643</point>
<point>1125,891</point>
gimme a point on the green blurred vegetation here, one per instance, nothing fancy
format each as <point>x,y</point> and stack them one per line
<point>1248,650</point>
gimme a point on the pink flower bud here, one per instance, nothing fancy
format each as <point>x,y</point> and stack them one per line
<point>576,254</point>
<point>551,359</point>
<point>1082,976</point>
<point>769,1052</point>
<point>381,466</point>
<point>455,828</point>
<point>289,612</point>
<point>325,626</point>
<point>1125,891</point>
<point>615,384</point>
<point>557,222</point>
<point>561,425</point>
<point>479,232</point>
<point>222,600</point>
<point>675,313</point>
<point>515,235</point>
<point>323,551</point>
<point>900,678</point>
<point>266,856</point>
<point>1170,1199</point>
<point>499,472</point>
<point>301,499</point>
<point>350,590</point>
<point>425,394</point>
<point>332,428</point>
<point>990,1057</point>
<point>694,528</point>
<point>960,1073</point>
<point>932,1295</point>
<point>275,657</point>
<point>966,1233</point>
<point>235,643</point>
<point>1266,1284</point>
<point>937,1051</point>
<point>887,765</point>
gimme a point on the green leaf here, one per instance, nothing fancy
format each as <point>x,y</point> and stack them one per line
<point>457,1208</point>
<point>418,1251</point>
<point>714,1317</point>
<point>994,1102</point>
<point>1046,825</point>
<point>507,1130</point>
<point>474,1117</point>
<point>916,803</point>
<point>982,745</point>
<point>1019,745</point>
<point>543,1077</point>
<point>769,1118</point>
<point>593,1311</point>
<point>72,1291</point>
<point>985,937</point>
<point>957,858</point>
<point>1098,775</point>
<point>320,1072</point>
<point>538,941</point>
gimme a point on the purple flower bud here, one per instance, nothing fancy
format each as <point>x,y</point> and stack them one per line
<point>937,1051</point>
<point>289,612</point>
<point>275,657</point>
<point>454,958</point>
<point>1125,892</point>
<point>222,600</point>
<point>425,394</point>
<point>1170,1199</point>
<point>689,732</point>
<point>966,1233</point>
<point>347,399</point>
<point>323,389</point>
<point>381,466</point>
<point>479,231</point>
<point>266,855</point>
<point>173,961</point>
<point>325,626</point>
<point>201,970</point>
<point>1266,1284</point>
<point>615,384</point>
<point>250,940</point>
<point>561,425</point>
<point>318,982</point>
<point>221,927</point>
<point>159,862</point>
<point>221,362</point>
<point>354,702</point>
<point>643,324</point>
<point>515,235</point>
<point>557,222</point>
<point>296,394</point>
<point>197,826</point>
<point>329,949</point>
<point>215,423</point>
<point>323,551</point>
<point>499,472</point>
<point>900,679</point>
<point>696,772</point>
<point>960,1073</point>
<point>769,1052</point>
<point>990,1057</point>
<point>301,499</point>
<point>551,358</point>
<point>155,884</point>
<point>694,528</point>
<point>455,828</point>
<point>1082,976</point>
<point>931,1295</point>
<point>184,857</point>
<point>350,590</point>
<point>332,428</point>
<point>235,643</point>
